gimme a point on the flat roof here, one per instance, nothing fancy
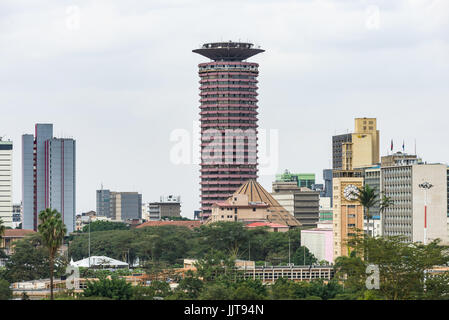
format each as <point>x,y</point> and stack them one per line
<point>228,51</point>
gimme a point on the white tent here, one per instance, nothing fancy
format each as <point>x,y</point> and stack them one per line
<point>99,261</point>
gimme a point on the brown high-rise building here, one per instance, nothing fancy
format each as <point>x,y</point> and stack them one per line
<point>228,91</point>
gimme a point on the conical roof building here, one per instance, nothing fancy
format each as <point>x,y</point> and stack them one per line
<point>252,202</point>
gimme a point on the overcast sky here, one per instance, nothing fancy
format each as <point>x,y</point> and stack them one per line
<point>120,76</point>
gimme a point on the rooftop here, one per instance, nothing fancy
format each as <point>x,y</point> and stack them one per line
<point>189,224</point>
<point>17,233</point>
<point>228,51</point>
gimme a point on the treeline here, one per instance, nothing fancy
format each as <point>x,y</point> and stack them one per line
<point>172,244</point>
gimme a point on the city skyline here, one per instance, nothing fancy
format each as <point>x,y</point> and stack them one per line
<point>109,92</point>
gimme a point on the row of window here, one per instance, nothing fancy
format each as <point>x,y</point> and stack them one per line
<point>229,102</point>
<point>228,76</point>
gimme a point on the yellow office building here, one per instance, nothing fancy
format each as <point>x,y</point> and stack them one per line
<point>363,149</point>
<point>347,212</point>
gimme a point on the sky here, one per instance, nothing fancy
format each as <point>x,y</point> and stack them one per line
<point>120,78</point>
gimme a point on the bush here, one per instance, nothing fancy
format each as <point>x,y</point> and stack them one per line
<point>114,288</point>
<point>5,290</point>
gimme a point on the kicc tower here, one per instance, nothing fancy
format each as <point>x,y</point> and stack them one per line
<point>228,117</point>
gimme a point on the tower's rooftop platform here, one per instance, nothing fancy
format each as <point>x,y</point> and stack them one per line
<point>228,51</point>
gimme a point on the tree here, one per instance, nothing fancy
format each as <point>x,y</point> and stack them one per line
<point>99,225</point>
<point>30,261</point>
<point>189,287</point>
<point>5,290</point>
<point>217,290</point>
<point>367,197</point>
<point>52,230</point>
<point>2,229</point>
<point>402,266</point>
<point>216,266</point>
<point>385,203</point>
<point>283,289</point>
<point>113,288</point>
<point>2,232</point>
<point>249,289</point>
<point>300,253</point>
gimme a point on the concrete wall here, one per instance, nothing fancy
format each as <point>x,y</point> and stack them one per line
<point>319,242</point>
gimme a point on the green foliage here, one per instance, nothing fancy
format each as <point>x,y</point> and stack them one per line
<point>5,290</point>
<point>249,290</point>
<point>175,218</point>
<point>216,266</point>
<point>113,288</point>
<point>30,261</point>
<point>155,289</point>
<point>216,291</point>
<point>99,225</point>
<point>52,230</point>
<point>401,265</point>
<point>298,257</point>
<point>171,244</point>
<point>284,289</point>
<point>2,228</point>
<point>189,287</point>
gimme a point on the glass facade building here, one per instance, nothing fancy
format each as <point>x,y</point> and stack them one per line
<point>48,176</point>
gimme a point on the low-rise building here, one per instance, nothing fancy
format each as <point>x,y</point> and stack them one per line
<point>251,203</point>
<point>168,206</point>
<point>319,241</point>
<point>301,202</point>
<point>271,227</point>
<point>191,224</point>
<point>11,236</point>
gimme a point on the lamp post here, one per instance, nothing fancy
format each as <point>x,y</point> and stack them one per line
<point>89,242</point>
<point>426,186</point>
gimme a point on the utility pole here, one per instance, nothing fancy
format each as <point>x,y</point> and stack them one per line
<point>289,250</point>
<point>89,242</point>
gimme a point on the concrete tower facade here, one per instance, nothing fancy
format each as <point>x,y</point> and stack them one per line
<point>228,116</point>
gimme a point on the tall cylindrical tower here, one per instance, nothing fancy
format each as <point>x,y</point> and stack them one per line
<point>228,116</point>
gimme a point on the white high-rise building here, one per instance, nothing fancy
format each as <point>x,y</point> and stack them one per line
<point>412,203</point>
<point>6,182</point>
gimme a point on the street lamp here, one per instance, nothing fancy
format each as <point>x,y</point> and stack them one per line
<point>89,242</point>
<point>426,186</point>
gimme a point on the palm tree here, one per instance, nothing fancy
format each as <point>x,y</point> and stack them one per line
<point>385,203</point>
<point>52,230</point>
<point>367,197</point>
<point>2,232</point>
<point>2,229</point>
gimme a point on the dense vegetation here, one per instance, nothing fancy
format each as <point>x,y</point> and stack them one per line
<point>171,244</point>
<point>105,226</point>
